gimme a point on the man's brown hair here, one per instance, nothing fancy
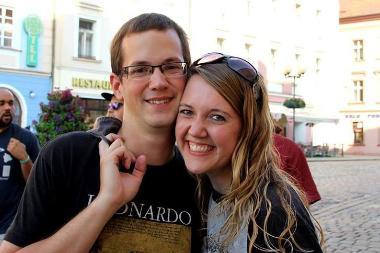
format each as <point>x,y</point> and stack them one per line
<point>142,23</point>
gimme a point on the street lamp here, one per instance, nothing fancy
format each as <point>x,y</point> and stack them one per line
<point>294,74</point>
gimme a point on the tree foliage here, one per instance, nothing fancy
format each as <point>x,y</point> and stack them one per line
<point>294,103</point>
<point>63,113</point>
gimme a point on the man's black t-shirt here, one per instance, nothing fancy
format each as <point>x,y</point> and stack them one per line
<point>162,218</point>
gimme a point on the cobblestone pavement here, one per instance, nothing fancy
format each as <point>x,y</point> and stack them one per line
<point>349,211</point>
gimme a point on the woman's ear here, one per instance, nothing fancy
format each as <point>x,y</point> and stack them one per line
<point>116,86</point>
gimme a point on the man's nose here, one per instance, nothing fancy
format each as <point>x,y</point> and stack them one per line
<point>8,106</point>
<point>158,79</point>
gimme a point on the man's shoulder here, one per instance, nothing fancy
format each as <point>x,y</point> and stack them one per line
<point>19,130</point>
<point>284,144</point>
<point>78,140</point>
<point>282,140</point>
<point>23,135</point>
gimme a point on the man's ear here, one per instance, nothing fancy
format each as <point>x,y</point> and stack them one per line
<point>116,86</point>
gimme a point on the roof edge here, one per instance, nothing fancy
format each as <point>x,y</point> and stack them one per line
<point>356,19</point>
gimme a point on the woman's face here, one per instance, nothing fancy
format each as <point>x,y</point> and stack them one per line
<point>207,129</point>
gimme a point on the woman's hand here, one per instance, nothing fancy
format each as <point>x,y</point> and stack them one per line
<point>118,188</point>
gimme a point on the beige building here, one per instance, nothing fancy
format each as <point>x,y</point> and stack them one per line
<point>273,35</point>
<point>360,63</point>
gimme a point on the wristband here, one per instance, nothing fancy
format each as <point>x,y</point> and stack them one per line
<point>26,160</point>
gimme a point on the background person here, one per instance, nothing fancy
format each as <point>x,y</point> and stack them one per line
<point>112,119</point>
<point>293,162</point>
<point>77,196</point>
<point>18,149</point>
<point>115,107</point>
<point>224,132</point>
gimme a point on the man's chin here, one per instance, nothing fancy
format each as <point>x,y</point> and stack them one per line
<point>5,123</point>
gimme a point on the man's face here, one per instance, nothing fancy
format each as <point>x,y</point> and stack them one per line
<point>6,108</point>
<point>115,108</point>
<point>152,102</point>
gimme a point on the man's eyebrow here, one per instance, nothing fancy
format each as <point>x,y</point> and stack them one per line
<point>139,63</point>
<point>168,60</point>
<point>173,59</point>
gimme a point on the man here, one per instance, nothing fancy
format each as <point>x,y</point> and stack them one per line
<point>293,161</point>
<point>69,200</point>
<point>114,107</point>
<point>18,149</point>
<point>113,117</point>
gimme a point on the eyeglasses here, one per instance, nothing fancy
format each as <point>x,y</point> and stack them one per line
<point>240,66</point>
<point>114,106</point>
<point>170,69</point>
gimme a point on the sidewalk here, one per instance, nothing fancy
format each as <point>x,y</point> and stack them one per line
<point>344,158</point>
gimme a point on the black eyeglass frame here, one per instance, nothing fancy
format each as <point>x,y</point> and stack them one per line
<point>184,66</point>
<point>222,58</point>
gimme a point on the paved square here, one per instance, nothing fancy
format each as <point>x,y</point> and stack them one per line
<point>349,211</point>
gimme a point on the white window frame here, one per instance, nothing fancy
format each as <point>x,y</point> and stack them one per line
<point>317,65</point>
<point>249,51</point>
<point>298,8</point>
<point>358,50</point>
<point>220,44</point>
<point>82,44</point>
<point>274,58</point>
<point>6,27</point>
<point>95,40</point>
<point>249,8</point>
<point>358,91</point>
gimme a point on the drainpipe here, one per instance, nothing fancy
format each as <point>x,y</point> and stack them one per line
<point>53,46</point>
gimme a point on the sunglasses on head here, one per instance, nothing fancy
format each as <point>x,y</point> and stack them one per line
<point>115,106</point>
<point>240,66</point>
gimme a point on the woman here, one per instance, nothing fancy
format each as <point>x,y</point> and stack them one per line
<point>224,132</point>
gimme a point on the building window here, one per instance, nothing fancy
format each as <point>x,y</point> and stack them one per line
<point>274,57</point>
<point>297,56</point>
<point>377,49</point>
<point>298,60</point>
<point>86,39</point>
<point>275,6</point>
<point>220,44</point>
<point>358,91</point>
<point>248,52</point>
<point>249,8</point>
<point>317,65</point>
<point>358,50</point>
<point>358,132</point>
<point>6,26</point>
<point>298,9</point>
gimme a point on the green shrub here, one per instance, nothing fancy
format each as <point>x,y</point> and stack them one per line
<point>294,103</point>
<point>64,113</point>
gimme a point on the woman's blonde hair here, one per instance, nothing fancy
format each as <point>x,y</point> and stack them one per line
<point>255,163</point>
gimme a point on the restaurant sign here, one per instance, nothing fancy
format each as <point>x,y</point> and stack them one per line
<point>90,84</point>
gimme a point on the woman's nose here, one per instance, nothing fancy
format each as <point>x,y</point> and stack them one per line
<point>198,128</point>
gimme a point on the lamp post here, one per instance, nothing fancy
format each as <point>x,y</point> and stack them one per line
<point>288,73</point>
